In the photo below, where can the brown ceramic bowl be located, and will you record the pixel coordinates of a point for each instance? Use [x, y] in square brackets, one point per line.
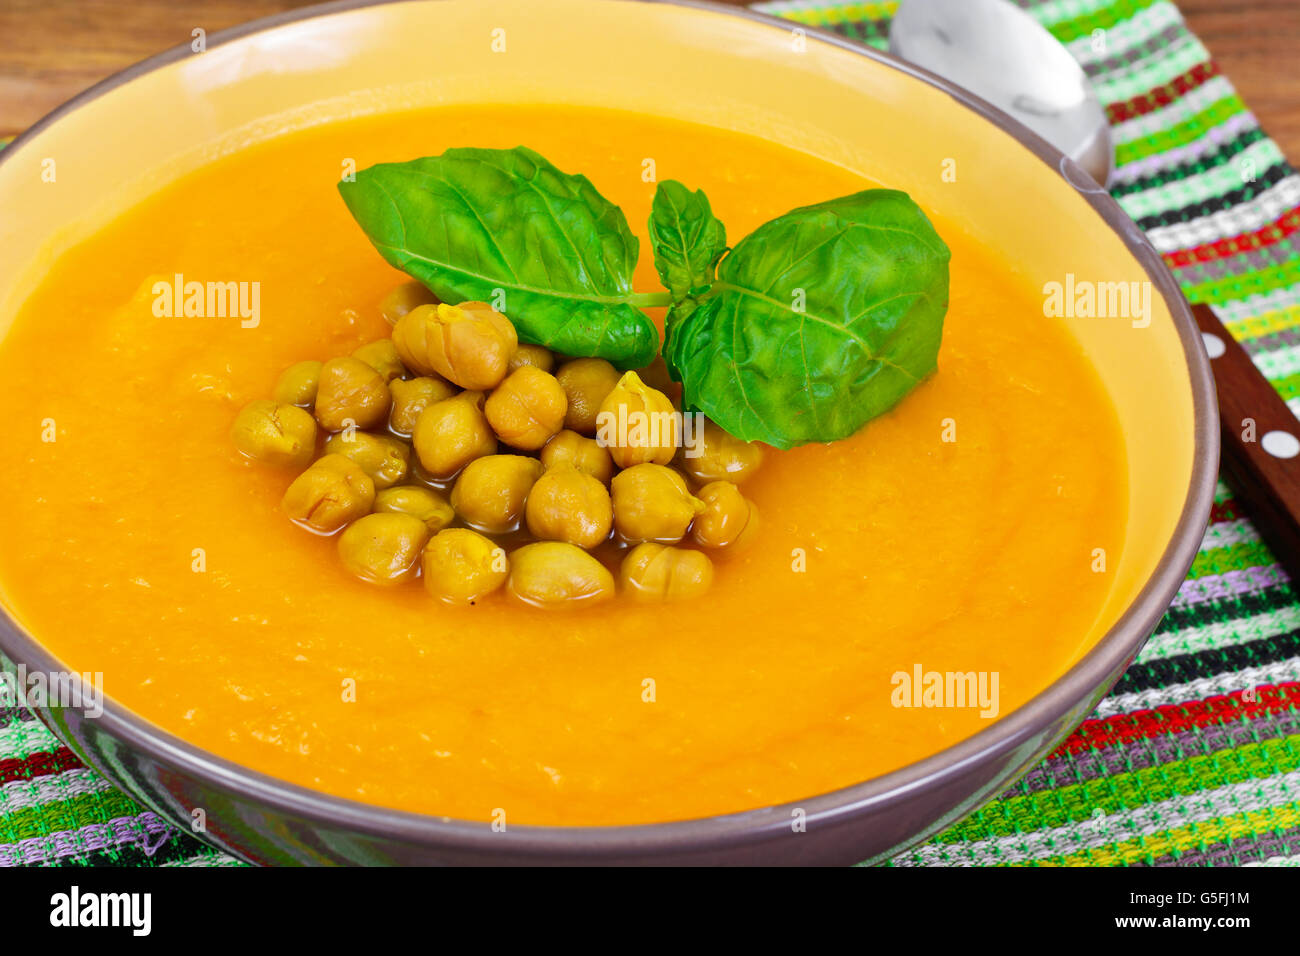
[815, 92]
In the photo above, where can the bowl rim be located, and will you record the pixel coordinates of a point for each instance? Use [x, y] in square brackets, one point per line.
[1083, 680]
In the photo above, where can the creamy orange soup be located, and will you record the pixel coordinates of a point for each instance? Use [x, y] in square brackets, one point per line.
[140, 544]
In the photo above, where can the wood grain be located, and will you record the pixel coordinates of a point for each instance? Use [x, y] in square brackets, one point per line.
[53, 49]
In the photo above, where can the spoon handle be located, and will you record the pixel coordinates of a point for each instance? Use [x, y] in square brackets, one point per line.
[1260, 441]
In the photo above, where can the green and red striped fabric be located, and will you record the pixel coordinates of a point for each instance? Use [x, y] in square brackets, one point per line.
[1194, 758]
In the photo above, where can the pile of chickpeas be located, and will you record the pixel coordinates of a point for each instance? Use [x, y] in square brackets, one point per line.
[455, 454]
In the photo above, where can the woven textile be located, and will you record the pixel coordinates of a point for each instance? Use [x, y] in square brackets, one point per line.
[1194, 758]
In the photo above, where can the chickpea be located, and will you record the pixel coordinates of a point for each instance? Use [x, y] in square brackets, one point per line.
[403, 298]
[539, 356]
[450, 434]
[381, 355]
[637, 424]
[419, 502]
[469, 344]
[552, 574]
[655, 572]
[567, 505]
[728, 520]
[491, 491]
[412, 396]
[719, 457]
[461, 566]
[651, 503]
[297, 384]
[584, 454]
[586, 383]
[278, 434]
[383, 548]
[527, 408]
[386, 460]
[351, 391]
[329, 494]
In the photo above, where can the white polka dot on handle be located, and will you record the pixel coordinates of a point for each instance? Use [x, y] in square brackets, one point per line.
[1280, 444]
[1214, 346]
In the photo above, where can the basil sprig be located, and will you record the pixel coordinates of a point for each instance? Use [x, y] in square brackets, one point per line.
[812, 325]
[817, 322]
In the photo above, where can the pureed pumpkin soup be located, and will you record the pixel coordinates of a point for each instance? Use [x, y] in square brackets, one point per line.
[956, 532]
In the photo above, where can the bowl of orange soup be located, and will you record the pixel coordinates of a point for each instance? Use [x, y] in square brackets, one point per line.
[930, 602]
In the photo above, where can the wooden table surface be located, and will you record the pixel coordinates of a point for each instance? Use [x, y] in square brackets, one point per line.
[52, 49]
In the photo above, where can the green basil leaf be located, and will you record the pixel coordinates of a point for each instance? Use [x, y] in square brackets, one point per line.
[819, 321]
[487, 224]
[687, 239]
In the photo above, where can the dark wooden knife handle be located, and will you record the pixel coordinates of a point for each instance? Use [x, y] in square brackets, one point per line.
[1260, 439]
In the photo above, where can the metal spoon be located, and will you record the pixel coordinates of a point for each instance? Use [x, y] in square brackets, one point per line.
[999, 52]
